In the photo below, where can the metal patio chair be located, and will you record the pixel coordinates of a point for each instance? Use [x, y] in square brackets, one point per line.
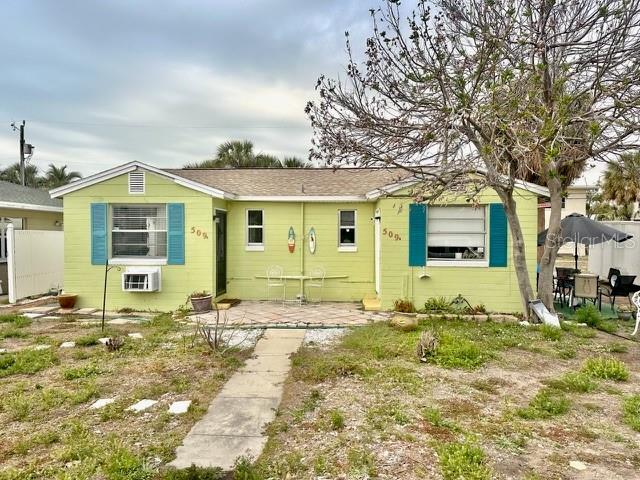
[564, 283]
[316, 281]
[618, 286]
[275, 274]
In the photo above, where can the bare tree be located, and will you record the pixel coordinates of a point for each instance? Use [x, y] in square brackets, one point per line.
[514, 90]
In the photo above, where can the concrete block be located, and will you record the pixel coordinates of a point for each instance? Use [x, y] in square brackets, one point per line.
[142, 405]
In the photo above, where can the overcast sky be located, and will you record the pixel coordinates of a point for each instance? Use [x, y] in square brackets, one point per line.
[103, 82]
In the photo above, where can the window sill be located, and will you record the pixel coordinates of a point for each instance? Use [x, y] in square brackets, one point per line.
[457, 263]
[137, 261]
[348, 248]
[254, 248]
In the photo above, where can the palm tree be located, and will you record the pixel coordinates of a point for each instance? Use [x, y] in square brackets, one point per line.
[621, 184]
[12, 174]
[240, 154]
[58, 176]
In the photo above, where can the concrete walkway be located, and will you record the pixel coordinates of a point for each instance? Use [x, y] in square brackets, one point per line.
[234, 423]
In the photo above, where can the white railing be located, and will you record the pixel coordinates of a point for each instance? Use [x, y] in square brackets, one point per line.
[35, 262]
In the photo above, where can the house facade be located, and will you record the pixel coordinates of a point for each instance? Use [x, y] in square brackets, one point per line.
[219, 230]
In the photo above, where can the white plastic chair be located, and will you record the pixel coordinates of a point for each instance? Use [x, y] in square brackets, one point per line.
[275, 274]
[317, 275]
[636, 301]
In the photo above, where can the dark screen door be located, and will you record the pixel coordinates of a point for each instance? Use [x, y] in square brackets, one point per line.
[221, 252]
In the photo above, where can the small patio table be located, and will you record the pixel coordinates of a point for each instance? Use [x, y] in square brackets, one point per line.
[301, 279]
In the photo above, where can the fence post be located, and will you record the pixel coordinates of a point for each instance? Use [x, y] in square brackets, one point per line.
[11, 263]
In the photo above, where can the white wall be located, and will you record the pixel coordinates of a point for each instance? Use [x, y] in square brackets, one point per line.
[624, 256]
[35, 262]
[575, 202]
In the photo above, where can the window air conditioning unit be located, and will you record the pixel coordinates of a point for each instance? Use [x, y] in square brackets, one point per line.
[141, 280]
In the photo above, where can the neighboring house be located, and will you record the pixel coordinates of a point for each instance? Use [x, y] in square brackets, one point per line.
[179, 231]
[27, 209]
[574, 202]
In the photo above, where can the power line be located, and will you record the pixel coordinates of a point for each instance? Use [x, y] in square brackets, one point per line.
[140, 125]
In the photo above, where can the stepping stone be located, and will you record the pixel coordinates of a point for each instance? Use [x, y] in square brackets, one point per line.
[180, 407]
[33, 316]
[65, 311]
[49, 317]
[86, 311]
[43, 310]
[103, 340]
[42, 347]
[120, 321]
[135, 335]
[142, 405]
[577, 465]
[102, 402]
[67, 344]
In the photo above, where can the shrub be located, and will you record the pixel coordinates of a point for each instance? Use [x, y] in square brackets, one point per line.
[588, 314]
[631, 412]
[546, 404]
[404, 306]
[437, 304]
[463, 460]
[577, 382]
[607, 368]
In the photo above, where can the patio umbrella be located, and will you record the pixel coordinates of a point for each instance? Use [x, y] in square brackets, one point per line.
[580, 229]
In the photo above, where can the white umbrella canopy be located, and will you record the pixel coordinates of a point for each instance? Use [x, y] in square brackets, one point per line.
[580, 229]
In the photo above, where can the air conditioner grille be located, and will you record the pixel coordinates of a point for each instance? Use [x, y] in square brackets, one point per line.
[136, 281]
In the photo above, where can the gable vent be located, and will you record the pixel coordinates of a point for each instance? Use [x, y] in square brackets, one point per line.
[136, 182]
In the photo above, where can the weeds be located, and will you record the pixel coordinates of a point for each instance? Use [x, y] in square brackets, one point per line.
[607, 368]
[631, 412]
[546, 404]
[26, 362]
[576, 382]
[194, 473]
[74, 373]
[551, 333]
[337, 419]
[463, 460]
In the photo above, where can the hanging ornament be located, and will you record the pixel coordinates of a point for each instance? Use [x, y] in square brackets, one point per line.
[312, 240]
[292, 240]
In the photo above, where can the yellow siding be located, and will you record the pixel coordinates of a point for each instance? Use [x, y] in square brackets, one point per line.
[178, 281]
[34, 220]
[496, 288]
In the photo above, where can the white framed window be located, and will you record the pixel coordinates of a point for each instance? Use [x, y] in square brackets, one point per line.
[457, 234]
[138, 231]
[347, 230]
[255, 230]
[18, 224]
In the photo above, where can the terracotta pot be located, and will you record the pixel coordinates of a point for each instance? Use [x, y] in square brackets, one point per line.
[201, 304]
[67, 300]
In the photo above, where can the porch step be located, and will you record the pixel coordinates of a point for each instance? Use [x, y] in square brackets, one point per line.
[371, 304]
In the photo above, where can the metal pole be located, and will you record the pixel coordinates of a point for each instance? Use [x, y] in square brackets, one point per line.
[104, 292]
[22, 169]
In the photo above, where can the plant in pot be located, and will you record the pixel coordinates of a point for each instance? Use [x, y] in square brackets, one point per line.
[625, 312]
[404, 316]
[201, 301]
[67, 300]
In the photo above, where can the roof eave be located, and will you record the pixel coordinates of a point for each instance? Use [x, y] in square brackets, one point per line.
[30, 206]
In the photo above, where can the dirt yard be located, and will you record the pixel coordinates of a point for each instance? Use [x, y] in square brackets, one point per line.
[47, 428]
[493, 401]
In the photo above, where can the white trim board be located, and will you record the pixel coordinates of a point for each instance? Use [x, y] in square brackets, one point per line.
[30, 206]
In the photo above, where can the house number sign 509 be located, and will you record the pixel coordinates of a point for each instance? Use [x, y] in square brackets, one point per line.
[391, 234]
[199, 233]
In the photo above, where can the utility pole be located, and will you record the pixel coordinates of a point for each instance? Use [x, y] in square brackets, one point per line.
[22, 173]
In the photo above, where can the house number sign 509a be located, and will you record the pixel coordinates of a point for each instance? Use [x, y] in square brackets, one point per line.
[199, 233]
[391, 234]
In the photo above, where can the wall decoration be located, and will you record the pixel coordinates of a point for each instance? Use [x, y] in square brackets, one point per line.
[391, 234]
[312, 240]
[292, 240]
[199, 233]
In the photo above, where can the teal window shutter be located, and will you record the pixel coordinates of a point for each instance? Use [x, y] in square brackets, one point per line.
[497, 235]
[98, 233]
[175, 233]
[417, 235]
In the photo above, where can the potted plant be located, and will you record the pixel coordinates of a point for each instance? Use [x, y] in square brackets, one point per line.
[405, 315]
[625, 312]
[201, 301]
[67, 300]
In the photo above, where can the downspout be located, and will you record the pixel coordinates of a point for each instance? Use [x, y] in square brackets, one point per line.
[301, 236]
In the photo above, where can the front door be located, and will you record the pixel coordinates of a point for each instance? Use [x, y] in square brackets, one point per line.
[221, 252]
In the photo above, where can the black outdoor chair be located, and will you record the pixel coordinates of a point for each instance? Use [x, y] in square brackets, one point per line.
[618, 286]
[564, 283]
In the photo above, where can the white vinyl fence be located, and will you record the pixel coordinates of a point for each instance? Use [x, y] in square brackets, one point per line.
[624, 256]
[35, 262]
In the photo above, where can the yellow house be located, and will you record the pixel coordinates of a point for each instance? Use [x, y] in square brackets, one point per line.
[171, 232]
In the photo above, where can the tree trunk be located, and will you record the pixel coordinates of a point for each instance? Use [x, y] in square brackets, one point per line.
[518, 248]
[551, 245]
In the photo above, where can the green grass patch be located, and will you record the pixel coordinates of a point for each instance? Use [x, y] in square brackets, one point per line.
[631, 412]
[463, 460]
[588, 314]
[546, 404]
[551, 333]
[435, 418]
[336, 419]
[26, 362]
[194, 473]
[607, 368]
[361, 462]
[575, 382]
[315, 366]
[16, 319]
[87, 340]
[381, 415]
[457, 352]
[85, 371]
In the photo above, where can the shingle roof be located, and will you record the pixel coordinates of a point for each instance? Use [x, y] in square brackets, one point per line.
[294, 181]
[13, 193]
